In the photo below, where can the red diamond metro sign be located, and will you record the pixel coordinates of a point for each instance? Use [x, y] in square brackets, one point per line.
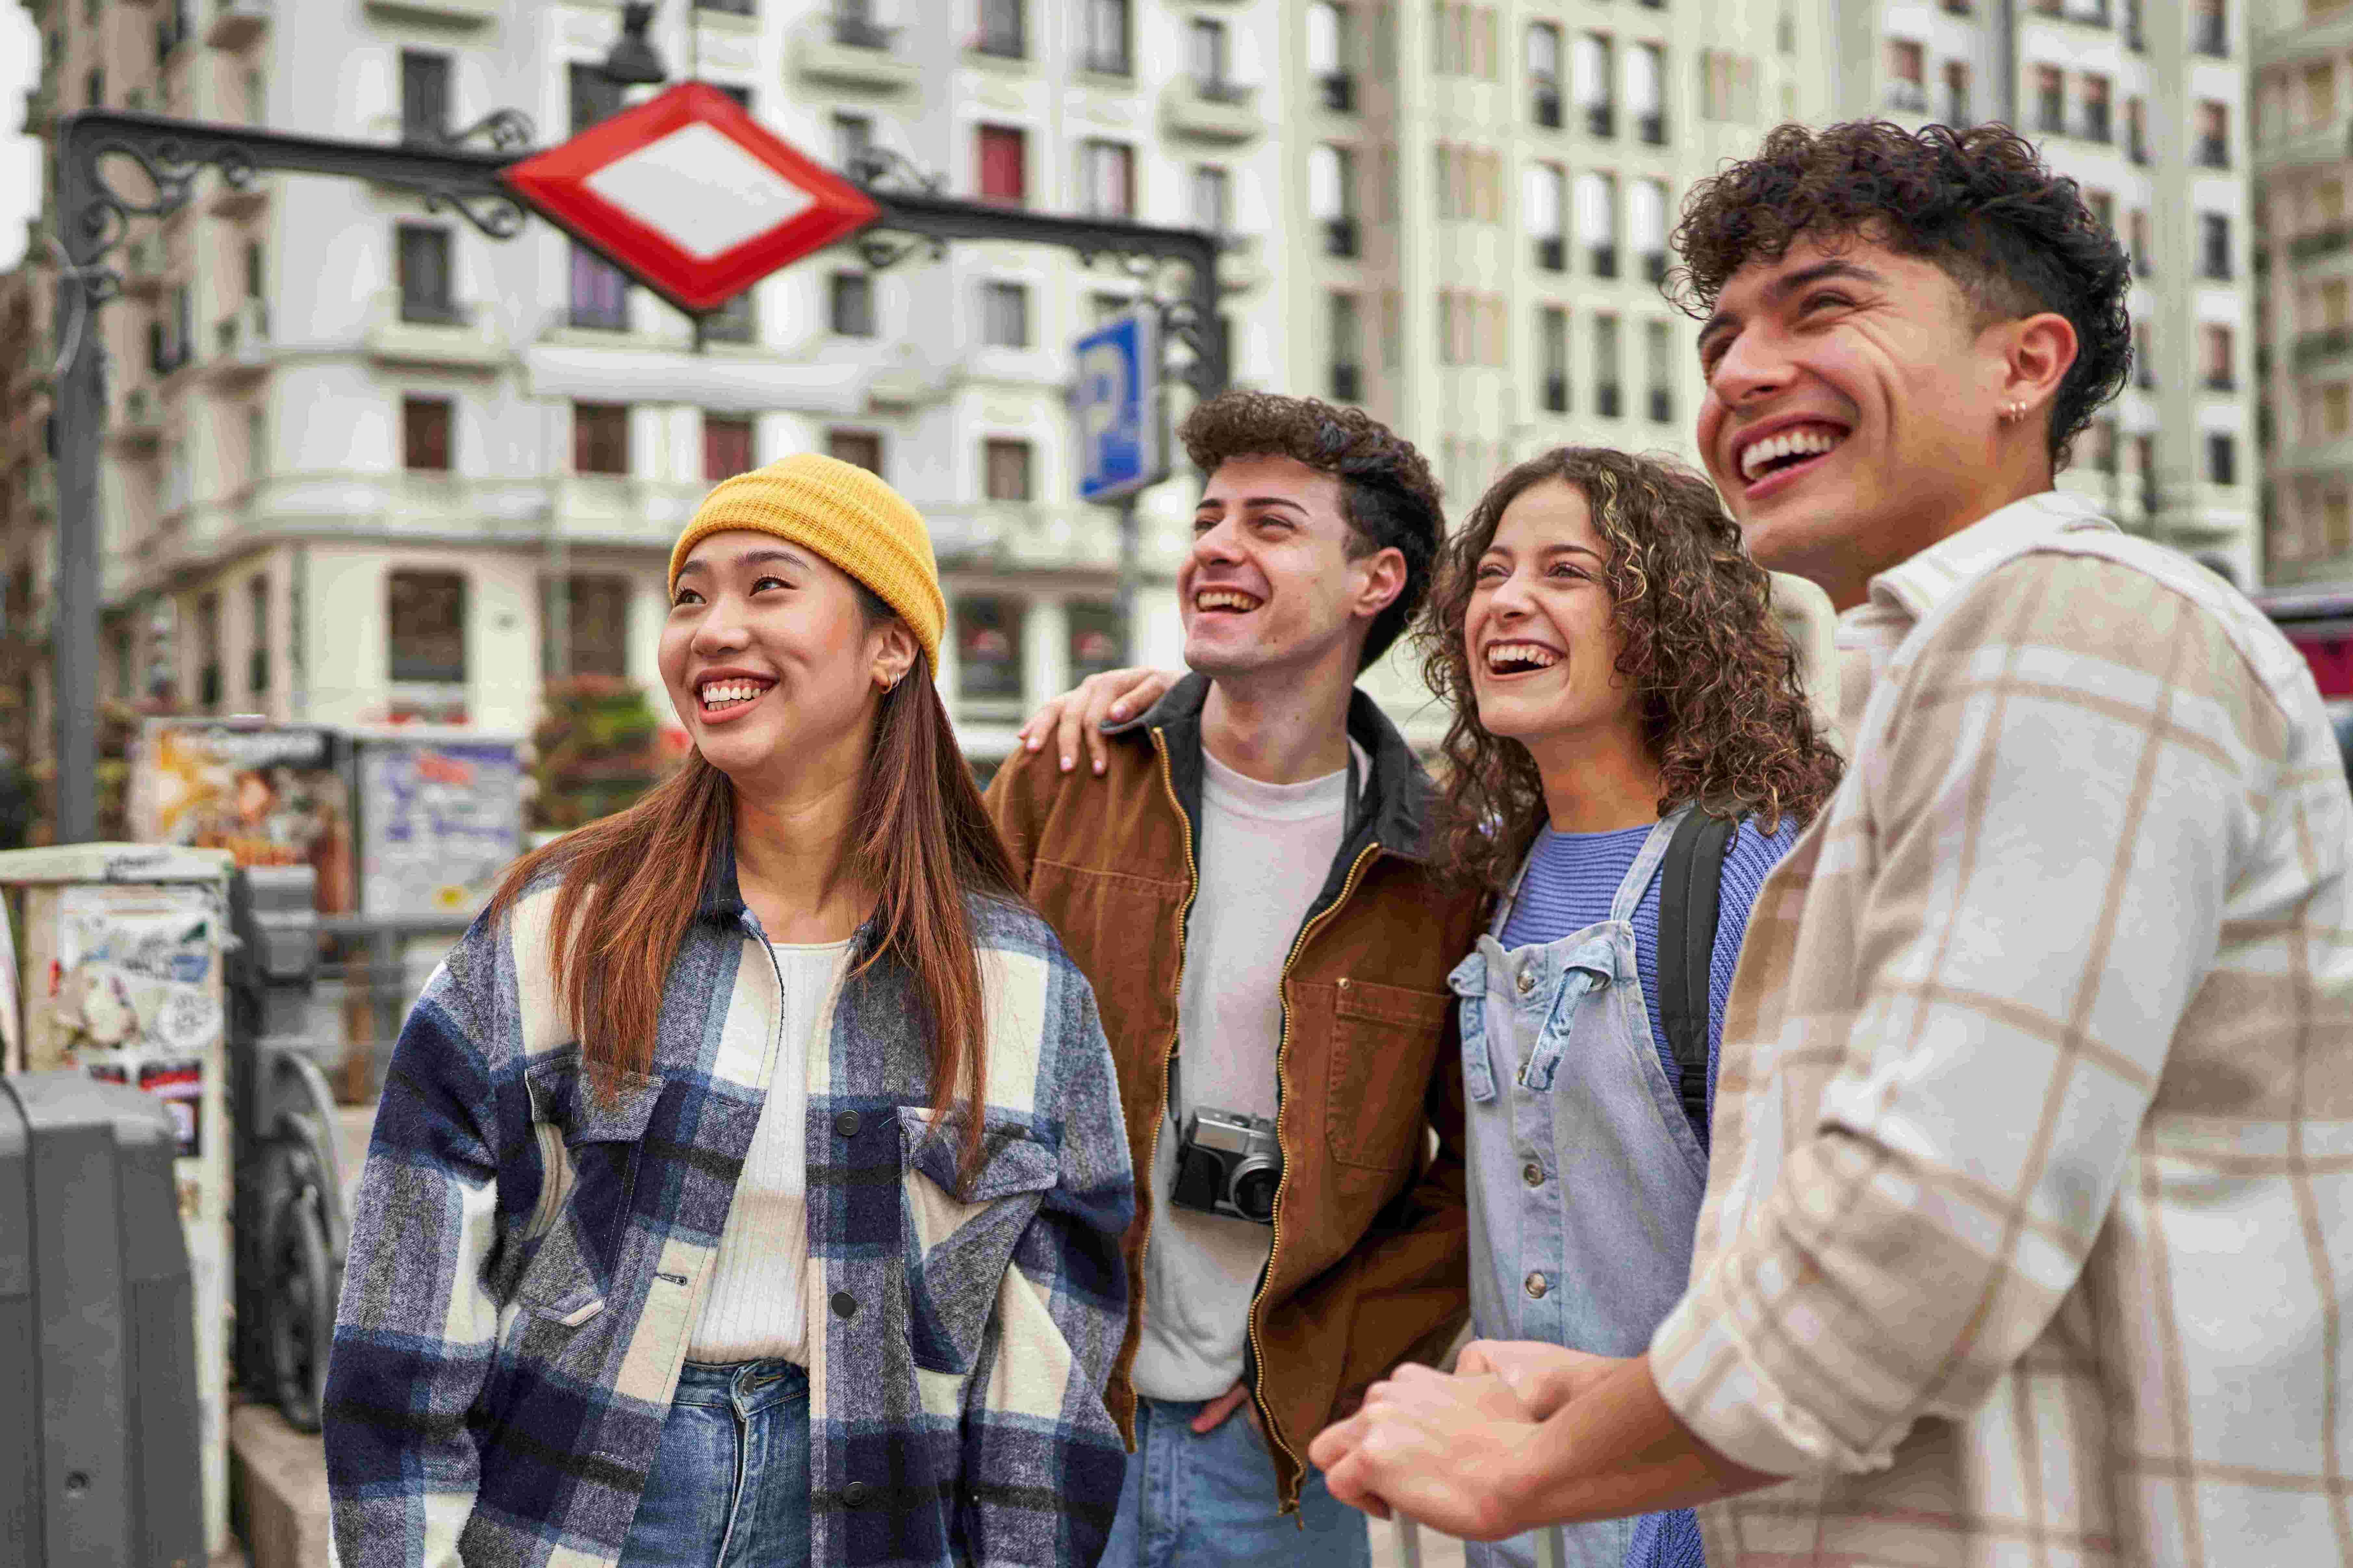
[690, 197]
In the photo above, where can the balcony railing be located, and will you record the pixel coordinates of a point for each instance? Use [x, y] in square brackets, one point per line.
[1551, 253]
[2050, 117]
[2220, 381]
[1544, 107]
[1347, 382]
[1654, 267]
[2135, 145]
[1662, 406]
[1907, 97]
[860, 32]
[1556, 391]
[2214, 152]
[2214, 267]
[1339, 92]
[1605, 400]
[1600, 119]
[1605, 260]
[1650, 130]
[2326, 242]
[2097, 126]
[1339, 237]
[2331, 342]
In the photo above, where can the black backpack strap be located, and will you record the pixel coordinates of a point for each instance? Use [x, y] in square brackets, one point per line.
[1690, 885]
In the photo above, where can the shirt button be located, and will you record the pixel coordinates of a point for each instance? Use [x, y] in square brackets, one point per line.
[856, 1493]
[1526, 982]
[1532, 1173]
[846, 1124]
[1535, 1285]
[844, 1305]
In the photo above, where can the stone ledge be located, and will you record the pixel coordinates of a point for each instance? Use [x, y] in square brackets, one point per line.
[278, 1490]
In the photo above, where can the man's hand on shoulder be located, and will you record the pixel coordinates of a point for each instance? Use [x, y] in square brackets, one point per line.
[1080, 714]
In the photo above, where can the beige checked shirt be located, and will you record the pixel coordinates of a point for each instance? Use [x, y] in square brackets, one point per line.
[2029, 1231]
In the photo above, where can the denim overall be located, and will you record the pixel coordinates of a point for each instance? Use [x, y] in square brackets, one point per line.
[1586, 1178]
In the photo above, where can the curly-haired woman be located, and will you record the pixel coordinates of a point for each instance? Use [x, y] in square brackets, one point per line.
[749, 1183]
[1615, 665]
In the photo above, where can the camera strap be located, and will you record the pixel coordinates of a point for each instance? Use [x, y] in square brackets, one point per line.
[1348, 812]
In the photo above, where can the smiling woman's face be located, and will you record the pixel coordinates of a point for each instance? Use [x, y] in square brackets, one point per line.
[1538, 632]
[770, 659]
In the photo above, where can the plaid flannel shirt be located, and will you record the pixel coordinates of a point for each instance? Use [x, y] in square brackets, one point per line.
[2029, 1232]
[527, 1260]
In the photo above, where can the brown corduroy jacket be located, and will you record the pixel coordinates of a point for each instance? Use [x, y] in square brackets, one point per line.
[1371, 1231]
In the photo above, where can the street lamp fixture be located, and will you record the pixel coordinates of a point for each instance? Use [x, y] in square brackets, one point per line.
[633, 61]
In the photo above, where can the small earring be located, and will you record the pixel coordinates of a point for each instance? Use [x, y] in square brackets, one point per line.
[2011, 413]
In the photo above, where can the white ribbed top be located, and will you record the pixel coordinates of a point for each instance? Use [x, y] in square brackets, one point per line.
[754, 1309]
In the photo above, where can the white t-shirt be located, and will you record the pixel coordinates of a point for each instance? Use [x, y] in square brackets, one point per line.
[754, 1308]
[1264, 852]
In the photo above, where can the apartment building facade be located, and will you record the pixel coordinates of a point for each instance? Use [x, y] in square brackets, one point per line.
[2303, 105]
[2143, 102]
[365, 464]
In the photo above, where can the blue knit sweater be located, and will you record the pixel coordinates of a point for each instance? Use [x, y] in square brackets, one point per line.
[1571, 879]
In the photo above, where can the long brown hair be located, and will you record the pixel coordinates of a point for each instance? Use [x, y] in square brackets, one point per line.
[1717, 677]
[920, 838]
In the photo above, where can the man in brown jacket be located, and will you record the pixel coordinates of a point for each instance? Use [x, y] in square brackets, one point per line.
[1245, 886]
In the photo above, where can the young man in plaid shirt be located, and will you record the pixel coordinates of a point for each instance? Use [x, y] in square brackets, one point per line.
[2028, 1233]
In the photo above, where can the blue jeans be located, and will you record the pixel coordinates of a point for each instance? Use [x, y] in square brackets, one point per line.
[730, 1484]
[1209, 1503]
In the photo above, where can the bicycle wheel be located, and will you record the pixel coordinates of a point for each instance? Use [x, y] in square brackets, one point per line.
[300, 1270]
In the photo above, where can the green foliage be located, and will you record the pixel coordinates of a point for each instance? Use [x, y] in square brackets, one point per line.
[596, 748]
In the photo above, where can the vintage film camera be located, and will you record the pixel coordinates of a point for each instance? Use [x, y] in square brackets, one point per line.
[1227, 1163]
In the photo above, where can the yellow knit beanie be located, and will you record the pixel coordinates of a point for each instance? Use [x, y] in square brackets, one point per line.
[847, 515]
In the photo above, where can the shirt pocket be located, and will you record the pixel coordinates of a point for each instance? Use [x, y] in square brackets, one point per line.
[1384, 1047]
[956, 1249]
[1469, 982]
[589, 1148]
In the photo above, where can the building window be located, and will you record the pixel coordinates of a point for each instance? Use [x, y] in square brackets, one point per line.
[1329, 54]
[425, 434]
[1593, 72]
[851, 304]
[1003, 157]
[1007, 465]
[424, 265]
[1096, 642]
[1907, 68]
[1956, 94]
[594, 96]
[2095, 109]
[726, 448]
[1597, 222]
[2050, 100]
[2215, 345]
[257, 630]
[1106, 178]
[989, 650]
[1646, 74]
[1347, 334]
[585, 627]
[1552, 336]
[208, 652]
[2213, 246]
[1543, 75]
[427, 626]
[1211, 59]
[2103, 208]
[1003, 29]
[1332, 197]
[2221, 458]
[1606, 390]
[1004, 315]
[853, 138]
[1658, 349]
[424, 95]
[1647, 219]
[2136, 242]
[2208, 29]
[2135, 131]
[1209, 199]
[1546, 197]
[600, 437]
[736, 320]
[863, 447]
[2214, 135]
[600, 291]
[1106, 38]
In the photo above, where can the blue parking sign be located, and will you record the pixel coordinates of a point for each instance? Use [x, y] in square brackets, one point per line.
[1117, 407]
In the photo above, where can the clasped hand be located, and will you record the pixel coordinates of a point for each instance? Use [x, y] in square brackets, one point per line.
[1450, 1450]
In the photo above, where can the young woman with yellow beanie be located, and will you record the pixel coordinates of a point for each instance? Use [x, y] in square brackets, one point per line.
[749, 1182]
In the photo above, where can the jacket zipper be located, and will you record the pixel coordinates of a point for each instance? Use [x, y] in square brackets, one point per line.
[1282, 1049]
[1184, 920]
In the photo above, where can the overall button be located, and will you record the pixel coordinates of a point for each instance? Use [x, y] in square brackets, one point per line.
[846, 1124]
[856, 1493]
[1535, 1285]
[844, 1305]
[1532, 1173]
[1526, 982]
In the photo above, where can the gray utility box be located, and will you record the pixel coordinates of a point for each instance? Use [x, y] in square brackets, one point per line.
[98, 1447]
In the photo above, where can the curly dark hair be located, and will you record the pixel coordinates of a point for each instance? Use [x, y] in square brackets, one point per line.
[1977, 202]
[1717, 677]
[1387, 491]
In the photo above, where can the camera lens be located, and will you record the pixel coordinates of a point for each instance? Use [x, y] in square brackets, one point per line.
[1254, 1187]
